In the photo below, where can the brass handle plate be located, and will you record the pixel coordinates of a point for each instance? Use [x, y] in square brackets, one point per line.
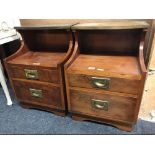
[100, 104]
[101, 82]
[36, 93]
[31, 74]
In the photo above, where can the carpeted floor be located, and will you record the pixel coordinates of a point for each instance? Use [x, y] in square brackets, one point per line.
[16, 120]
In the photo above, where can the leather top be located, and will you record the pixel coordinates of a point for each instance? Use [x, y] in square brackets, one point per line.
[111, 25]
[45, 27]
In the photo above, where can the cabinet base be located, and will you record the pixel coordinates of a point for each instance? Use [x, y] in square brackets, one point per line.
[41, 107]
[120, 125]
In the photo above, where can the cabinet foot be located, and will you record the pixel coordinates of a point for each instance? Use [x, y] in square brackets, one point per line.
[58, 113]
[122, 126]
[25, 106]
[41, 107]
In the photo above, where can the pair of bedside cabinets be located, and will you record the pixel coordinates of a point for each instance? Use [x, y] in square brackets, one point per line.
[94, 71]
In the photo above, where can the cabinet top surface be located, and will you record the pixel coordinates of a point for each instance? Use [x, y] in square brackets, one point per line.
[43, 59]
[111, 25]
[45, 27]
[115, 66]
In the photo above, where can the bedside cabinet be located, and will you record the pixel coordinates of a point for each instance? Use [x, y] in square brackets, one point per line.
[36, 70]
[106, 73]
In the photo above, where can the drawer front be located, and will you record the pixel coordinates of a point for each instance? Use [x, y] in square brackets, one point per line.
[102, 105]
[105, 83]
[45, 94]
[34, 73]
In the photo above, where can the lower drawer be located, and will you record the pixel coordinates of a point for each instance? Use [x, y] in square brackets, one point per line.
[44, 93]
[102, 105]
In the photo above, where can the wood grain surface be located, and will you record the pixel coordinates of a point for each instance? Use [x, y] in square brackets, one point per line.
[51, 94]
[39, 59]
[114, 66]
[121, 108]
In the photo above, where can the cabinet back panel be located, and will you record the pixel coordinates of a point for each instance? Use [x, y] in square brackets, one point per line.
[114, 42]
[46, 40]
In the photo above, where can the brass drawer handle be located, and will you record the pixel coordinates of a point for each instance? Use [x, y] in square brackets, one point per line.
[99, 104]
[101, 82]
[36, 93]
[31, 74]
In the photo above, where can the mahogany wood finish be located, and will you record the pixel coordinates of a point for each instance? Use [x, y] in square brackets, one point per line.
[50, 92]
[36, 69]
[44, 75]
[120, 79]
[148, 38]
[112, 54]
[81, 99]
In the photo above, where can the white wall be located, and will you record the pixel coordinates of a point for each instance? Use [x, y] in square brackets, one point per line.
[10, 22]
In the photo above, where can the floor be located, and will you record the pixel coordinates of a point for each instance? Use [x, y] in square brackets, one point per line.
[17, 120]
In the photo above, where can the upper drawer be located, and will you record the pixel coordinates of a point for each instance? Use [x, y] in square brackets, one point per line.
[104, 83]
[113, 73]
[34, 73]
[102, 105]
[39, 92]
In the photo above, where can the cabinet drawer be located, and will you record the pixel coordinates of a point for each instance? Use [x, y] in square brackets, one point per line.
[44, 93]
[102, 105]
[34, 73]
[104, 83]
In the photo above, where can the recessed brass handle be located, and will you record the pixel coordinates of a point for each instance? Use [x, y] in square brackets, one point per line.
[101, 82]
[31, 74]
[36, 93]
[100, 104]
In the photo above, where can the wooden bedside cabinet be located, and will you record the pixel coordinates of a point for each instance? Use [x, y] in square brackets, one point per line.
[106, 73]
[36, 70]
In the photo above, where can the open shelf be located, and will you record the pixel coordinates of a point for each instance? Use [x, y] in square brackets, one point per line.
[41, 58]
[106, 42]
[118, 66]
